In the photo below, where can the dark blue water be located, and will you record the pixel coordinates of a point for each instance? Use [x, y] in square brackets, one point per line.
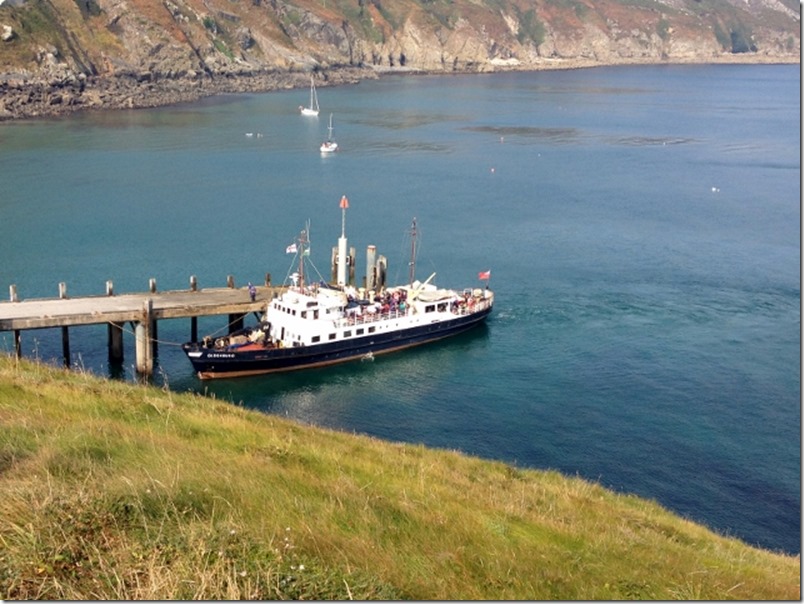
[642, 226]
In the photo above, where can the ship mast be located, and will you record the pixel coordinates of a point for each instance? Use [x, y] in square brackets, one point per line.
[412, 264]
[342, 257]
[302, 244]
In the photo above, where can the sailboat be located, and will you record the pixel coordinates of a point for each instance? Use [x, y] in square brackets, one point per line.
[313, 108]
[329, 145]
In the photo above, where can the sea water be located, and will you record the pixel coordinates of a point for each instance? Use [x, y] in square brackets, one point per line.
[641, 226]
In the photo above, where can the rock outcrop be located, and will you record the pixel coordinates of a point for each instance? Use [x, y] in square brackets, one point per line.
[58, 56]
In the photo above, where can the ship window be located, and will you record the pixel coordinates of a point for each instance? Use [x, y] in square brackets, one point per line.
[360, 331]
[316, 339]
[332, 336]
[372, 329]
[304, 314]
[442, 307]
[430, 308]
[315, 314]
[347, 334]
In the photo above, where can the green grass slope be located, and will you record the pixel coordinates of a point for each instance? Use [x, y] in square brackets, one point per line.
[115, 491]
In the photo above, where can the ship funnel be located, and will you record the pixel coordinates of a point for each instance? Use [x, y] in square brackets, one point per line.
[371, 268]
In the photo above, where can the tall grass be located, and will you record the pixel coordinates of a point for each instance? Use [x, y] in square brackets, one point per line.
[115, 491]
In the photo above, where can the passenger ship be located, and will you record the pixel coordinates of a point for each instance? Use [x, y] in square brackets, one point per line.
[318, 324]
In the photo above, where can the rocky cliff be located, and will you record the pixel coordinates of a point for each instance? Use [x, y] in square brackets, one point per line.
[58, 56]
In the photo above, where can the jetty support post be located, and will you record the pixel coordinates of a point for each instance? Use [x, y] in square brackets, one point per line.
[65, 333]
[145, 361]
[154, 340]
[152, 325]
[65, 345]
[115, 343]
[12, 295]
[115, 334]
[236, 322]
[193, 320]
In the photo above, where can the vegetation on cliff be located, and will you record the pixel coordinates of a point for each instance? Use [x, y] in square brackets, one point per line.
[62, 55]
[117, 491]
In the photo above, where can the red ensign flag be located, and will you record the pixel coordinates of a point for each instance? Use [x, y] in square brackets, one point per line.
[486, 275]
[344, 203]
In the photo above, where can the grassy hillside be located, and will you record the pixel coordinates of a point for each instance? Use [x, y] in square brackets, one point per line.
[114, 491]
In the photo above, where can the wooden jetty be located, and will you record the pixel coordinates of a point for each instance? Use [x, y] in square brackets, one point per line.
[142, 310]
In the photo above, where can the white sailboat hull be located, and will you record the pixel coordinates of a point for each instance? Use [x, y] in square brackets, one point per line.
[329, 145]
[312, 110]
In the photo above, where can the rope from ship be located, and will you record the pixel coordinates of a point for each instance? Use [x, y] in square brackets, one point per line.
[293, 266]
[131, 332]
[166, 342]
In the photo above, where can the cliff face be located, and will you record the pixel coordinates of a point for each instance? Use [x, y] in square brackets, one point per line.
[61, 55]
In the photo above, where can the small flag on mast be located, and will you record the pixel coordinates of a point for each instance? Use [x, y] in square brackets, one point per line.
[484, 276]
[344, 203]
[291, 249]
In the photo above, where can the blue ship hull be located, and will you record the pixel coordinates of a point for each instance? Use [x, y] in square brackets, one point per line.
[213, 363]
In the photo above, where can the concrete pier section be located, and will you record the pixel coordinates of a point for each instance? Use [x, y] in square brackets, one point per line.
[142, 310]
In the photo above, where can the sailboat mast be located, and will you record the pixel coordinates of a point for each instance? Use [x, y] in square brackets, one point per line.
[412, 264]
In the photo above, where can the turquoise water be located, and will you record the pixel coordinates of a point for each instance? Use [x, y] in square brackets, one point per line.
[642, 226]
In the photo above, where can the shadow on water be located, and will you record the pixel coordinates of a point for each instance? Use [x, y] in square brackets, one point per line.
[367, 377]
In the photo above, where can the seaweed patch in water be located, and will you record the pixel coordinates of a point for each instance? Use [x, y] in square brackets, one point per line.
[555, 135]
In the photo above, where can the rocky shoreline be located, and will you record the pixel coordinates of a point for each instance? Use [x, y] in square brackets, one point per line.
[23, 96]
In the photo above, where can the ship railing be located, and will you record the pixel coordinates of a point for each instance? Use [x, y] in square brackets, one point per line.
[472, 306]
[371, 317]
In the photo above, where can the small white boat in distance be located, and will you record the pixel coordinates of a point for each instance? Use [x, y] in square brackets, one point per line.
[312, 110]
[329, 145]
